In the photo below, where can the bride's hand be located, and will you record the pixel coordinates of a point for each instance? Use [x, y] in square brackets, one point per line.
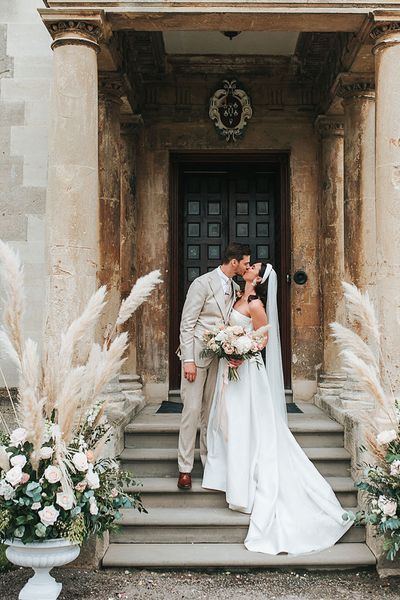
[235, 363]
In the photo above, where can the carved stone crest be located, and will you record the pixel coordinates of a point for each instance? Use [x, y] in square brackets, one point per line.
[230, 109]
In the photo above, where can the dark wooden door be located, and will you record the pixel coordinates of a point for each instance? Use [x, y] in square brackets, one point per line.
[216, 204]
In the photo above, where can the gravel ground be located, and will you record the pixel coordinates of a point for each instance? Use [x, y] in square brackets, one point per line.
[256, 585]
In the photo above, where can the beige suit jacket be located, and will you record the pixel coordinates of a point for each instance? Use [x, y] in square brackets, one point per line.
[204, 308]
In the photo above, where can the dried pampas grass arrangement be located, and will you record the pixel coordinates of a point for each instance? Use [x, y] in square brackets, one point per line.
[361, 355]
[60, 389]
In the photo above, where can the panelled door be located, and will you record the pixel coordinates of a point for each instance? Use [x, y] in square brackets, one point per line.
[215, 204]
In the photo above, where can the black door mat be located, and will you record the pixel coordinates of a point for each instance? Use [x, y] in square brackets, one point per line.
[176, 407]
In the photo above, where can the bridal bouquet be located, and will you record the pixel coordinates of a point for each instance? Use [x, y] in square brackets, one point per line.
[361, 354]
[54, 480]
[233, 342]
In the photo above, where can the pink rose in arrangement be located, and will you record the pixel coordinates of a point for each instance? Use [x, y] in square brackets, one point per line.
[81, 486]
[48, 515]
[25, 478]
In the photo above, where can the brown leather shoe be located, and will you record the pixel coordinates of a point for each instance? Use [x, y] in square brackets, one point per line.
[185, 481]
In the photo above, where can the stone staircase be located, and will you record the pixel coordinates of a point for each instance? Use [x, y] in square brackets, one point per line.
[195, 529]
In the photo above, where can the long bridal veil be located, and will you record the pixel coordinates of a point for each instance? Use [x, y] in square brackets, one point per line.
[273, 352]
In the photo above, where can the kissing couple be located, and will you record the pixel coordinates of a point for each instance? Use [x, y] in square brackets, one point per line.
[253, 458]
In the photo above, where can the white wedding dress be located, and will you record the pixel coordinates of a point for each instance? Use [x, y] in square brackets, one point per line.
[255, 459]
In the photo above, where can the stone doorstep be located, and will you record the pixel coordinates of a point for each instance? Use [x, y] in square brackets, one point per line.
[183, 556]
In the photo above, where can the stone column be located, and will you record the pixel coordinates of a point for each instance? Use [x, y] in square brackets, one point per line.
[387, 83]
[111, 89]
[331, 241]
[359, 183]
[72, 214]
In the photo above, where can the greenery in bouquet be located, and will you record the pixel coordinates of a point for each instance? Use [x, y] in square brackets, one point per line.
[232, 342]
[55, 481]
[360, 350]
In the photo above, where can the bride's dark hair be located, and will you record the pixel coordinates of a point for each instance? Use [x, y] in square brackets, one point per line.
[261, 289]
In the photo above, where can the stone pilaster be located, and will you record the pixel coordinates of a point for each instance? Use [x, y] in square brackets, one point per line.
[359, 182]
[386, 34]
[111, 90]
[72, 214]
[331, 243]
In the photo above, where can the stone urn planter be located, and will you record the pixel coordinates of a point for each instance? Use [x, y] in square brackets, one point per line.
[42, 557]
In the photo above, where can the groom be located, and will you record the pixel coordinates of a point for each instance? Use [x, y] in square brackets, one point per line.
[209, 301]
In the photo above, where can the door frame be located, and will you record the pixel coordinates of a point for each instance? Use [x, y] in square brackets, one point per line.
[178, 160]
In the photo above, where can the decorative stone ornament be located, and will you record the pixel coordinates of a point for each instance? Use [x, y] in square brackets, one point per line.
[230, 109]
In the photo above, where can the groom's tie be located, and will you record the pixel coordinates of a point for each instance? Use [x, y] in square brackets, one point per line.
[228, 293]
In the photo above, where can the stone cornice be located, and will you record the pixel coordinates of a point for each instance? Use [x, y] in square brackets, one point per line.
[330, 125]
[355, 88]
[88, 27]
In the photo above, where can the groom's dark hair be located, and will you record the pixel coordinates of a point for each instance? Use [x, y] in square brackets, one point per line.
[235, 250]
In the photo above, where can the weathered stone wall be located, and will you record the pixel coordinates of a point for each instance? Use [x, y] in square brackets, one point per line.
[187, 131]
[25, 74]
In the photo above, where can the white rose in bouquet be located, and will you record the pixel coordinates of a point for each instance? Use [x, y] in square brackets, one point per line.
[92, 479]
[80, 461]
[66, 501]
[243, 344]
[395, 467]
[52, 474]
[18, 436]
[48, 515]
[46, 452]
[6, 490]
[385, 437]
[228, 348]
[221, 336]
[236, 330]
[14, 476]
[387, 506]
[4, 459]
[18, 461]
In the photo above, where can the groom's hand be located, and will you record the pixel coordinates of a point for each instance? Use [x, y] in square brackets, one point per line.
[189, 371]
[235, 363]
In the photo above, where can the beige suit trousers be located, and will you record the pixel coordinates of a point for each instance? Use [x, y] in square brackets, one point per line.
[196, 397]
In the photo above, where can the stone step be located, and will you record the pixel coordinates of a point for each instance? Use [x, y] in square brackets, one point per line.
[163, 492]
[162, 462]
[194, 526]
[309, 432]
[184, 556]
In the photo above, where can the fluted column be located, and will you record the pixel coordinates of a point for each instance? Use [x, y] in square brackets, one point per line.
[111, 89]
[387, 82]
[72, 214]
[331, 236]
[359, 182]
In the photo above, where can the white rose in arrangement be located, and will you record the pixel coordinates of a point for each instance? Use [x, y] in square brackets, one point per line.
[14, 476]
[36, 506]
[46, 452]
[66, 501]
[48, 515]
[80, 461]
[395, 467]
[387, 506]
[237, 330]
[4, 459]
[92, 479]
[52, 474]
[6, 490]
[243, 344]
[18, 461]
[93, 508]
[18, 436]
[385, 437]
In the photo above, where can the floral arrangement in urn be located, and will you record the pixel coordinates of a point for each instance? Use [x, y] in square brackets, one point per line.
[54, 481]
[362, 359]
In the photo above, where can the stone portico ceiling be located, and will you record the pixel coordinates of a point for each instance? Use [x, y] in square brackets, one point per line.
[262, 43]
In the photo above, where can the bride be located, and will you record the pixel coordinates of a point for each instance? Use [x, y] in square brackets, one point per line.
[253, 456]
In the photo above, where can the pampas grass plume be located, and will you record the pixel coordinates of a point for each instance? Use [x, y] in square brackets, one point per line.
[139, 293]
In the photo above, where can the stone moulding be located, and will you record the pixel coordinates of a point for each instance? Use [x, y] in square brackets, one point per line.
[330, 125]
[363, 89]
[76, 27]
